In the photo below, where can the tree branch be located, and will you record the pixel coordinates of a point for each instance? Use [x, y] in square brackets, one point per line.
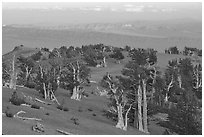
[25, 118]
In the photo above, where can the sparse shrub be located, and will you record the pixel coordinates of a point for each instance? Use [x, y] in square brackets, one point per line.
[94, 114]
[65, 109]
[60, 107]
[16, 100]
[90, 109]
[76, 123]
[75, 120]
[47, 114]
[9, 114]
[35, 106]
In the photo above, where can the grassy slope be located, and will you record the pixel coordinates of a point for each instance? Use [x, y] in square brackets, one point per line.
[89, 124]
[20, 51]
[115, 69]
[58, 119]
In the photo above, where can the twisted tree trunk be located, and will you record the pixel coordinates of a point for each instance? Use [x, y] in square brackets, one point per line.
[126, 118]
[12, 84]
[144, 107]
[75, 94]
[180, 81]
[136, 112]
[140, 108]
[104, 62]
[76, 91]
[198, 80]
[104, 58]
[168, 89]
[120, 123]
[13, 75]
[45, 91]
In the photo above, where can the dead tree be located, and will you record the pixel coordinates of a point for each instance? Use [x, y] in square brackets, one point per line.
[197, 73]
[139, 103]
[170, 85]
[76, 77]
[46, 80]
[144, 83]
[122, 104]
[13, 75]
[75, 74]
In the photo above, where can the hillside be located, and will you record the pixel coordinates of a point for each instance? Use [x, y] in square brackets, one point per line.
[90, 111]
[91, 122]
[20, 51]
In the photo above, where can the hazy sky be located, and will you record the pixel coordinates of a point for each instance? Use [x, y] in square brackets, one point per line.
[34, 13]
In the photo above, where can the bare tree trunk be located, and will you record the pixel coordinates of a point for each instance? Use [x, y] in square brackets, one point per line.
[140, 108]
[168, 88]
[12, 84]
[54, 97]
[136, 112]
[166, 98]
[153, 82]
[75, 93]
[13, 75]
[49, 90]
[126, 118]
[144, 107]
[58, 76]
[198, 81]
[44, 86]
[58, 81]
[45, 92]
[136, 119]
[180, 82]
[75, 89]
[120, 123]
[104, 58]
[104, 62]
[27, 74]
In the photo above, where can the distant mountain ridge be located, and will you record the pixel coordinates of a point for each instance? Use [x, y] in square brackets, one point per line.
[146, 34]
[164, 28]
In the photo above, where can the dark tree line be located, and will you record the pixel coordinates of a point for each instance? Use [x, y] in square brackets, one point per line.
[188, 51]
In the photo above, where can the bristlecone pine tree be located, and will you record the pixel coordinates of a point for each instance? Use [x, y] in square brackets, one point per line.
[46, 80]
[26, 66]
[120, 103]
[12, 84]
[75, 74]
[138, 70]
[186, 117]
[10, 72]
